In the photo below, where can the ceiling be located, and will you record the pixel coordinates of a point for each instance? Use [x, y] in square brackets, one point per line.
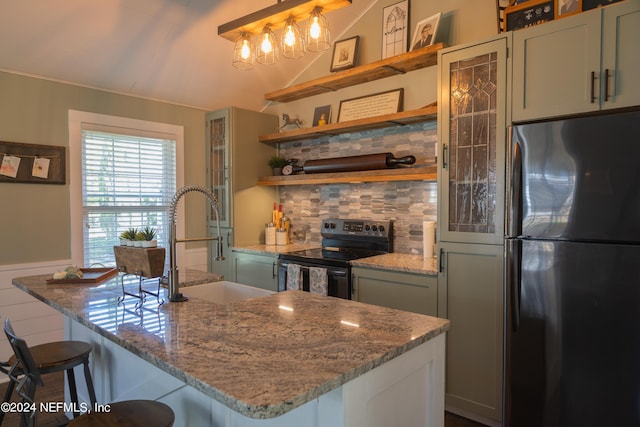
[165, 50]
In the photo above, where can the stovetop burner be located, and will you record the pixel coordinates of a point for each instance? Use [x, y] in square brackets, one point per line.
[334, 254]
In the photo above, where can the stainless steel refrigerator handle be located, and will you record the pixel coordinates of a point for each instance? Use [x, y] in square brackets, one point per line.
[513, 279]
[514, 190]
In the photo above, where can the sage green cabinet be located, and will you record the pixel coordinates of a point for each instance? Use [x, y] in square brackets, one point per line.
[473, 101]
[471, 288]
[582, 63]
[256, 270]
[235, 159]
[417, 293]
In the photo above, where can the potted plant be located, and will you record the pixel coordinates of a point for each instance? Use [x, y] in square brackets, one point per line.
[277, 163]
[138, 239]
[149, 234]
[128, 237]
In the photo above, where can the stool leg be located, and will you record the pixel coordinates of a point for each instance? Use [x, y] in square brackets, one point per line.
[89, 380]
[7, 397]
[71, 379]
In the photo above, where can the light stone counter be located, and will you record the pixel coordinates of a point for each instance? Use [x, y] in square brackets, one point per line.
[260, 357]
[400, 262]
[274, 249]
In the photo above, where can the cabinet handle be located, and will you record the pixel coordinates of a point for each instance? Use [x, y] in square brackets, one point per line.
[274, 270]
[606, 84]
[228, 239]
[593, 87]
[441, 261]
[445, 158]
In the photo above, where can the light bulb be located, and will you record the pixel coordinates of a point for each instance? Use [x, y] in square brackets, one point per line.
[289, 36]
[245, 52]
[266, 44]
[314, 30]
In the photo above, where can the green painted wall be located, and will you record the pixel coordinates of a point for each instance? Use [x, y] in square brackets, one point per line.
[34, 218]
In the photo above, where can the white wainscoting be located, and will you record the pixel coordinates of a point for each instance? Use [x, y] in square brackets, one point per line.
[33, 320]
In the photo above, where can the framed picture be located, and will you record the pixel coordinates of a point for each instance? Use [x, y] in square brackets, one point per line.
[568, 7]
[395, 29]
[322, 115]
[425, 32]
[378, 104]
[345, 53]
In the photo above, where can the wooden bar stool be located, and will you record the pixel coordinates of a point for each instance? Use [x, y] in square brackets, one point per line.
[27, 364]
[129, 413]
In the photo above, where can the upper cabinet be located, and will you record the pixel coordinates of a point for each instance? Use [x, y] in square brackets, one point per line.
[578, 64]
[472, 109]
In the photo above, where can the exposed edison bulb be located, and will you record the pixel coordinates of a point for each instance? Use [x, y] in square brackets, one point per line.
[245, 51]
[314, 29]
[266, 45]
[289, 36]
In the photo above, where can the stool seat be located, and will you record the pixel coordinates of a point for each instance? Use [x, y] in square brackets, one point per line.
[57, 356]
[129, 413]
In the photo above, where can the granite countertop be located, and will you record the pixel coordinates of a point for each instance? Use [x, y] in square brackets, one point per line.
[406, 263]
[274, 249]
[261, 357]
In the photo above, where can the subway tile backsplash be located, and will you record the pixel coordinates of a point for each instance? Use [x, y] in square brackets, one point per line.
[406, 203]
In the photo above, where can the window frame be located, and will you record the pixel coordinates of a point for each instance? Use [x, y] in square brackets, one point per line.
[80, 119]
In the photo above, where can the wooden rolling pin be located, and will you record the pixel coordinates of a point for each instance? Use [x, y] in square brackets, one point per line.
[357, 163]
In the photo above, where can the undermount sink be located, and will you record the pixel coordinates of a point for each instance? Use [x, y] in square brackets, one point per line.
[224, 292]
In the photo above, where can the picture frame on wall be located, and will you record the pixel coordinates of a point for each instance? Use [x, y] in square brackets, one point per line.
[425, 32]
[345, 54]
[395, 29]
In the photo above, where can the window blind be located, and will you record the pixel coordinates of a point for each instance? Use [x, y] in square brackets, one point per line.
[127, 182]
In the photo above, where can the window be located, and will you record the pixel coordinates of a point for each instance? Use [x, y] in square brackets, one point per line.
[127, 182]
[123, 174]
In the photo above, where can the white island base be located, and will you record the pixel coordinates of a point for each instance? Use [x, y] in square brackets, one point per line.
[406, 391]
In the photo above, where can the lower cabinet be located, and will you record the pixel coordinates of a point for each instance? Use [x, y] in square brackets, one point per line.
[417, 293]
[256, 270]
[471, 297]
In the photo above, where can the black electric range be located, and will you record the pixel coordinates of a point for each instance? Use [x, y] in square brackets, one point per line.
[343, 240]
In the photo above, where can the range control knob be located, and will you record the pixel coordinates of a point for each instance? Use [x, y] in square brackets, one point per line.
[367, 227]
[326, 225]
[374, 228]
[381, 228]
[333, 225]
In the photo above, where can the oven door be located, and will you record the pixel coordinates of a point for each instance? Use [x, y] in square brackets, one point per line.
[338, 278]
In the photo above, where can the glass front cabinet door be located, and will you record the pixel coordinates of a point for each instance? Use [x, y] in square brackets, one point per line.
[472, 134]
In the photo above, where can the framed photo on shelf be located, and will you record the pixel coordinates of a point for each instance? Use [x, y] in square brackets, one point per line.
[425, 32]
[345, 54]
[364, 107]
[395, 29]
[322, 115]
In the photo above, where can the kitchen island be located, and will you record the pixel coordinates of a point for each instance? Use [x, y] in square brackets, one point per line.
[285, 359]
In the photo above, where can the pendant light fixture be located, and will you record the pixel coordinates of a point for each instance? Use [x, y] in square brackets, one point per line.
[283, 15]
[317, 33]
[243, 53]
[292, 40]
[268, 51]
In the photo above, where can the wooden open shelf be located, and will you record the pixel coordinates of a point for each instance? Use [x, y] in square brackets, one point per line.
[428, 173]
[399, 64]
[397, 119]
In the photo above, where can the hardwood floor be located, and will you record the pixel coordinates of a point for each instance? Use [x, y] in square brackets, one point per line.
[53, 391]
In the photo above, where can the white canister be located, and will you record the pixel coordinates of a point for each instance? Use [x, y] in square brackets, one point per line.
[281, 236]
[428, 238]
[270, 234]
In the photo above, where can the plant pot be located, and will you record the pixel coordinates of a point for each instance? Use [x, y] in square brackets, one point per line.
[130, 243]
[123, 242]
[149, 243]
[137, 243]
[276, 171]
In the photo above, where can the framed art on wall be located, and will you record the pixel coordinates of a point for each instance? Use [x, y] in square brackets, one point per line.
[395, 29]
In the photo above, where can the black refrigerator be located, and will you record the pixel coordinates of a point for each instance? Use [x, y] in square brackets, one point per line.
[572, 294]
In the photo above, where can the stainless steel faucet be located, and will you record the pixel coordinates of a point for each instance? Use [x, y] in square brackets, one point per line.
[174, 286]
